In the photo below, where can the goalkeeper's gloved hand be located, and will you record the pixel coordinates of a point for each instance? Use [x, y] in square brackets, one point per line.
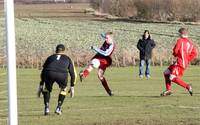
[71, 91]
[40, 90]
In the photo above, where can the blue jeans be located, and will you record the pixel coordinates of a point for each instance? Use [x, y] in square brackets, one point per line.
[141, 67]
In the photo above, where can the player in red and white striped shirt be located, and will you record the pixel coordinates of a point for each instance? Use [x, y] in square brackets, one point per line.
[103, 57]
[184, 52]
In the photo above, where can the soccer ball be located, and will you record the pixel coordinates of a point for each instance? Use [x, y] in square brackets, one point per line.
[95, 63]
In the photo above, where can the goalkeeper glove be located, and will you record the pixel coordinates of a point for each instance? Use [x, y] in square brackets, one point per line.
[40, 90]
[71, 91]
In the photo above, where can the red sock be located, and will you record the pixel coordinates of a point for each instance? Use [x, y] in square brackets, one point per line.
[105, 85]
[167, 82]
[180, 82]
[86, 73]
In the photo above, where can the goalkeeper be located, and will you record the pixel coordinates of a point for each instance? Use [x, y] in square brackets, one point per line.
[56, 69]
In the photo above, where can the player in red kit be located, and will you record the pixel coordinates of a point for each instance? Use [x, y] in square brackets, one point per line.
[184, 52]
[101, 60]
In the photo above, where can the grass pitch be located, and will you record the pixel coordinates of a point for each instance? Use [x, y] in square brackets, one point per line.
[136, 101]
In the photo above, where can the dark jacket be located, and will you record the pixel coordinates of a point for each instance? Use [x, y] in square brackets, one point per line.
[145, 47]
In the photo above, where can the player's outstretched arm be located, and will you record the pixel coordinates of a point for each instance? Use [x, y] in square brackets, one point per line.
[107, 52]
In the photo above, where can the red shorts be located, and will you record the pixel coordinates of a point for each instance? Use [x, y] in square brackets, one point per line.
[103, 63]
[176, 70]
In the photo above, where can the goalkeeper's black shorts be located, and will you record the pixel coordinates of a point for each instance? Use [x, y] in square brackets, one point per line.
[50, 77]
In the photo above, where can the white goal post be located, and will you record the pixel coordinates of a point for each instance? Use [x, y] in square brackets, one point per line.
[11, 62]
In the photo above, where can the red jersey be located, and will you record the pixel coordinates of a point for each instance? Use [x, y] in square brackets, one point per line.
[184, 51]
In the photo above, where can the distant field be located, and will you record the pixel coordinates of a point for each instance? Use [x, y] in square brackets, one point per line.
[136, 101]
[59, 10]
[37, 37]
[39, 27]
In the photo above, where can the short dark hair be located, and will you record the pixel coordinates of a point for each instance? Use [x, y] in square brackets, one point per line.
[146, 31]
[60, 48]
[183, 30]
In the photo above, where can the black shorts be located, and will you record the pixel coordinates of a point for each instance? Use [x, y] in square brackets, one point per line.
[50, 77]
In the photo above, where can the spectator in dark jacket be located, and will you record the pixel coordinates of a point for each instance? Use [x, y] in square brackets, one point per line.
[145, 46]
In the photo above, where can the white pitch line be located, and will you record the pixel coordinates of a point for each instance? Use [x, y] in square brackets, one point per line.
[188, 107]
[90, 109]
[84, 109]
[160, 106]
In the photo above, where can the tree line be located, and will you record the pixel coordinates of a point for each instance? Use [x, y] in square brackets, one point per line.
[161, 10]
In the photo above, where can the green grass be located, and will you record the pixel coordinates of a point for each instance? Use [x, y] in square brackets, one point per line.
[136, 101]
